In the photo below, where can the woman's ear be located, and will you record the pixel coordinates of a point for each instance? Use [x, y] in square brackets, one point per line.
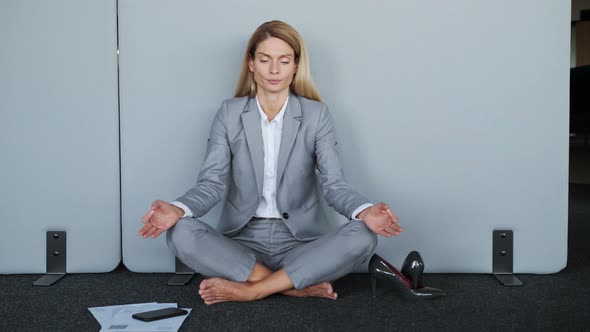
[251, 64]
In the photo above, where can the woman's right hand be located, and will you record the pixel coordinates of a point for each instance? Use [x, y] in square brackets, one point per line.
[160, 218]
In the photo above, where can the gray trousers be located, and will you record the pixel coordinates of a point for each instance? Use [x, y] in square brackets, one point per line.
[270, 242]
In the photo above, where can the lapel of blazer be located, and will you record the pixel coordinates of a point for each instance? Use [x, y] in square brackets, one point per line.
[291, 123]
[251, 122]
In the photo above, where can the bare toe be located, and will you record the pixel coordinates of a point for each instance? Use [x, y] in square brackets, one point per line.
[327, 287]
[203, 284]
[214, 300]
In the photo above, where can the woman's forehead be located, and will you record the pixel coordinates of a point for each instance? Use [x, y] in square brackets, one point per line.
[274, 47]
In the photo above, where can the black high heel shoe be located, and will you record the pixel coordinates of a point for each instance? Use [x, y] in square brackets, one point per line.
[413, 268]
[380, 268]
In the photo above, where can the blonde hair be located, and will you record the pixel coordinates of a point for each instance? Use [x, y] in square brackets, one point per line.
[302, 84]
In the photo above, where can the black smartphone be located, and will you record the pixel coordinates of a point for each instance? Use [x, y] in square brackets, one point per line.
[149, 316]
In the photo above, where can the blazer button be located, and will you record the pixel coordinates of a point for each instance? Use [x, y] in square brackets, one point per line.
[285, 215]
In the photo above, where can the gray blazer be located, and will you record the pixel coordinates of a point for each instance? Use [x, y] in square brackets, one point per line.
[308, 154]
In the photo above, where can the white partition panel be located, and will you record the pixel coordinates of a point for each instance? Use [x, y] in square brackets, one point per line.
[59, 134]
[454, 112]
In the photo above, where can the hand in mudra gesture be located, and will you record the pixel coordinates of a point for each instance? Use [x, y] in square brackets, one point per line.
[381, 220]
[160, 218]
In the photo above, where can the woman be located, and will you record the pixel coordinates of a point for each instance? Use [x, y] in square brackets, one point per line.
[268, 147]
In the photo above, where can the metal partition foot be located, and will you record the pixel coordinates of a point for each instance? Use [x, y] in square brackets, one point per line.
[56, 259]
[503, 258]
[183, 275]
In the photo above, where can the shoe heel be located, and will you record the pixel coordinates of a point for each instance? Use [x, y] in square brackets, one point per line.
[373, 284]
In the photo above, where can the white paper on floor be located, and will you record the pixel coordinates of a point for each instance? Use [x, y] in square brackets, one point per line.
[118, 317]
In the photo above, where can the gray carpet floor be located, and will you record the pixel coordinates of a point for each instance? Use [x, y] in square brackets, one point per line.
[556, 302]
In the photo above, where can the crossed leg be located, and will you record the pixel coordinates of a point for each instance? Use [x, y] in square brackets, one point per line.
[326, 258]
[261, 283]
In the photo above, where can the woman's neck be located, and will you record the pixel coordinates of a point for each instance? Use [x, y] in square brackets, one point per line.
[272, 103]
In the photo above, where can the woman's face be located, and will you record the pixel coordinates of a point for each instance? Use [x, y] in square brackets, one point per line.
[273, 65]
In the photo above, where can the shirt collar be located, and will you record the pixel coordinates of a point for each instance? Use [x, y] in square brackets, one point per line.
[278, 119]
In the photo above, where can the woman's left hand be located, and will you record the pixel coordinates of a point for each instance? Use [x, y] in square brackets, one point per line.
[381, 220]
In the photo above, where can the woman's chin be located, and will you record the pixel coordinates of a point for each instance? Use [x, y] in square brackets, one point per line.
[275, 89]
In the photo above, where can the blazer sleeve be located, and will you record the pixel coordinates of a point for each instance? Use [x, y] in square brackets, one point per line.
[339, 194]
[211, 182]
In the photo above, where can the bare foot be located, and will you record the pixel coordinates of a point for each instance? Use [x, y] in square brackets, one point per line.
[217, 290]
[323, 289]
